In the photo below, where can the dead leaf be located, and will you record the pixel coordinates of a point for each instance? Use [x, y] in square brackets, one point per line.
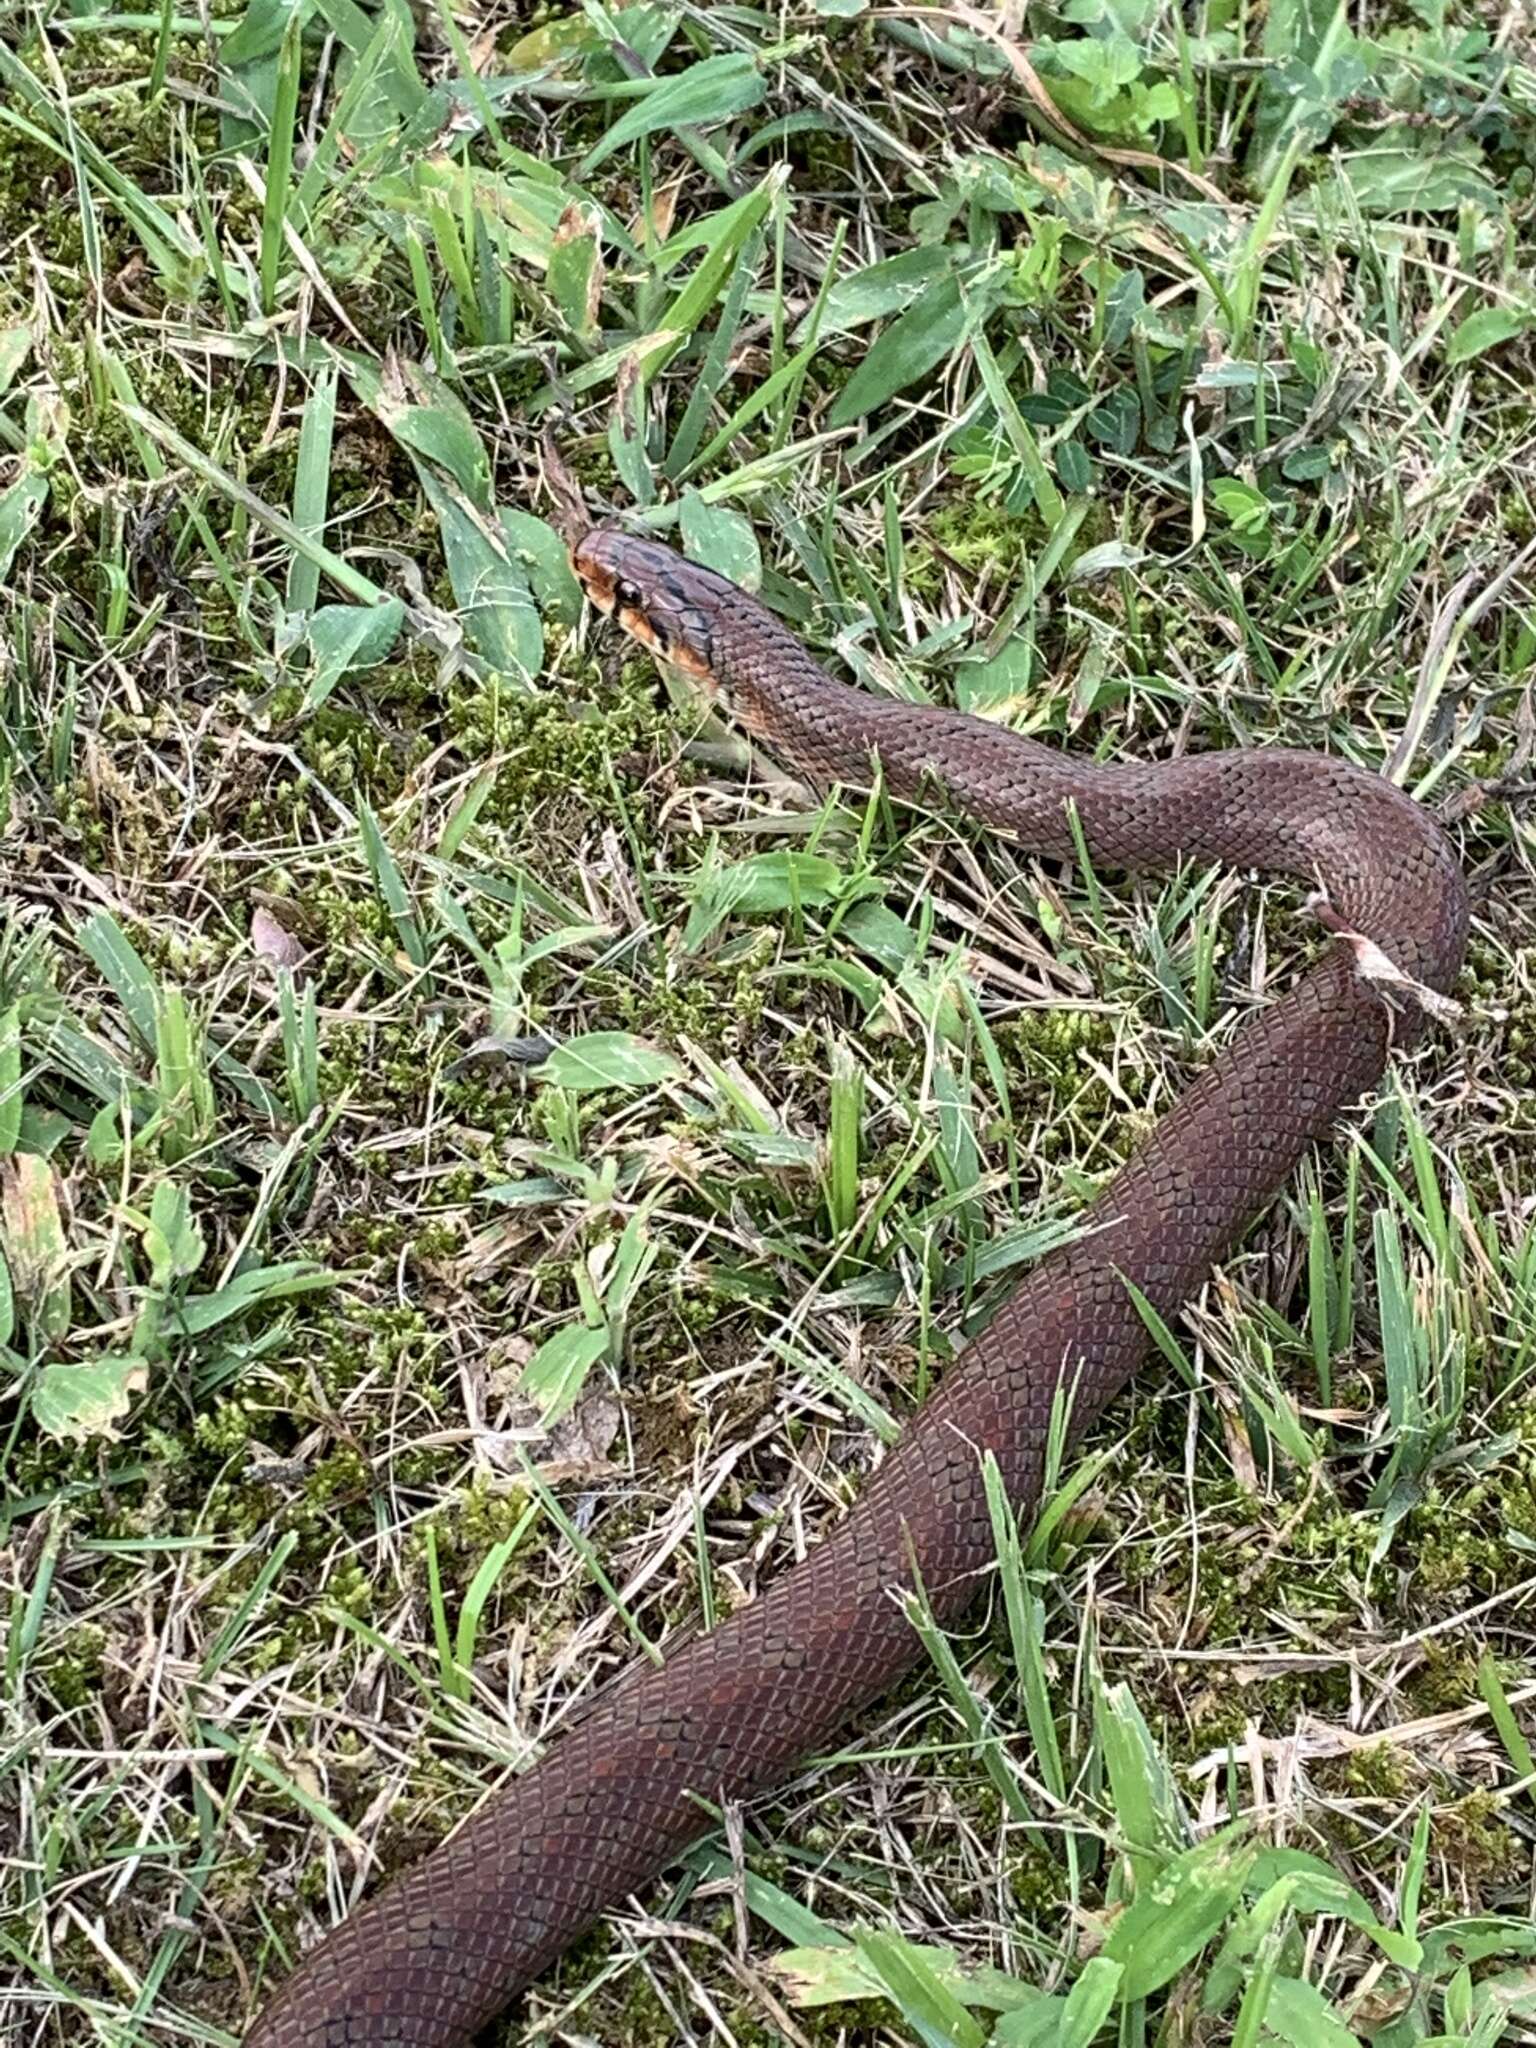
[36, 1248]
[272, 942]
[663, 211]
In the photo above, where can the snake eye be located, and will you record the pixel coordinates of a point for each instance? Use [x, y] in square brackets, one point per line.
[627, 594]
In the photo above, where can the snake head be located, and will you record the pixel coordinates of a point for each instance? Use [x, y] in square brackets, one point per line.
[660, 599]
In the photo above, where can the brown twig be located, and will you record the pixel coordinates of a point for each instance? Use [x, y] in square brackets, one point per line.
[571, 517]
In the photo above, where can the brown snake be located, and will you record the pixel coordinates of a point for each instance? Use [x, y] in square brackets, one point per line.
[442, 1948]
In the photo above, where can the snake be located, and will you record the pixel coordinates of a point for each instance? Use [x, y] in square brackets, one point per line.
[443, 1947]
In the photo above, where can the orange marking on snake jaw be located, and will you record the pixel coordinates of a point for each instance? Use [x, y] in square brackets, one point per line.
[640, 628]
[685, 659]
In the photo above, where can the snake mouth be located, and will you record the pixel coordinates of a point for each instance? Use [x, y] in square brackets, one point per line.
[676, 653]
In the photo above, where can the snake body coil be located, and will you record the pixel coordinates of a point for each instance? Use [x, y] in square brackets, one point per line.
[442, 1949]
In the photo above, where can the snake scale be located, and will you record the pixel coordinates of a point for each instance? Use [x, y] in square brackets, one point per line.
[441, 1949]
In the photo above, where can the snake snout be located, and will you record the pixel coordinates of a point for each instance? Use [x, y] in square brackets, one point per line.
[595, 566]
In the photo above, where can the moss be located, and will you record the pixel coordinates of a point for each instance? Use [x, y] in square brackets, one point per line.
[1034, 1880]
[976, 536]
[716, 1006]
[1378, 1772]
[104, 77]
[72, 1669]
[223, 1429]
[473, 1522]
[1469, 1836]
[1475, 1838]
[364, 754]
[556, 750]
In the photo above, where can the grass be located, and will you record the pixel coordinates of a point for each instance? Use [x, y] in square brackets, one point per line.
[485, 1167]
